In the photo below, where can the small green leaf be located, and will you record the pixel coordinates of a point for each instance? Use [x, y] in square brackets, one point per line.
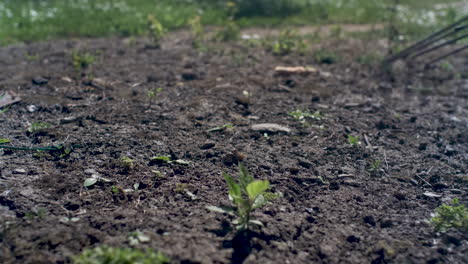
[244, 177]
[4, 140]
[256, 188]
[90, 182]
[234, 188]
[161, 159]
[4, 110]
[220, 128]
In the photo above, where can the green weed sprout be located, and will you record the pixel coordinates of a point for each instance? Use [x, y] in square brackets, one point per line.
[289, 41]
[4, 140]
[301, 116]
[247, 195]
[375, 166]
[156, 30]
[196, 28]
[451, 216]
[221, 128]
[82, 61]
[111, 255]
[36, 127]
[153, 92]
[127, 162]
[168, 160]
[353, 140]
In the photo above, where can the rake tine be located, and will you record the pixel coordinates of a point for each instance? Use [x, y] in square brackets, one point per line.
[435, 40]
[438, 46]
[447, 55]
[425, 42]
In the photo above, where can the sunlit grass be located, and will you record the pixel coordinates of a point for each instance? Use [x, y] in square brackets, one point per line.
[33, 20]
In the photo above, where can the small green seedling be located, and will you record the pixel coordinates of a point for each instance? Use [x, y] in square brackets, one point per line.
[93, 180]
[156, 30]
[115, 190]
[62, 152]
[247, 195]
[90, 182]
[153, 92]
[221, 128]
[168, 160]
[301, 116]
[375, 167]
[127, 162]
[82, 61]
[451, 216]
[354, 140]
[161, 159]
[112, 255]
[198, 33]
[4, 140]
[37, 127]
[289, 41]
[4, 110]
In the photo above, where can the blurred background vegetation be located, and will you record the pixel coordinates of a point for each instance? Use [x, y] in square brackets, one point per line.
[33, 20]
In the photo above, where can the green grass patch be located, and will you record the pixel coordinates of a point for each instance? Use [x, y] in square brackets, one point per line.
[110, 255]
[34, 20]
[451, 216]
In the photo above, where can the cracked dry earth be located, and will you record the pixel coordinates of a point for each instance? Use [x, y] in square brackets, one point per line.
[333, 207]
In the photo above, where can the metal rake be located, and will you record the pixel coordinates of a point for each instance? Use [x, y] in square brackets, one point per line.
[445, 37]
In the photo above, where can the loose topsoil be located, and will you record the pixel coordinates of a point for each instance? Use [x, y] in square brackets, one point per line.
[332, 207]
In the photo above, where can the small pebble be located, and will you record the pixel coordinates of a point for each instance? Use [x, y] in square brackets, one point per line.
[90, 171]
[31, 108]
[431, 195]
[208, 145]
[68, 120]
[270, 128]
[40, 81]
[19, 171]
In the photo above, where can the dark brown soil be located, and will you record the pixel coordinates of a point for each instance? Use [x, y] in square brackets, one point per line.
[333, 209]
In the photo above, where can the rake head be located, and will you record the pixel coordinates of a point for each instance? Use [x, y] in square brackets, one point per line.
[433, 44]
